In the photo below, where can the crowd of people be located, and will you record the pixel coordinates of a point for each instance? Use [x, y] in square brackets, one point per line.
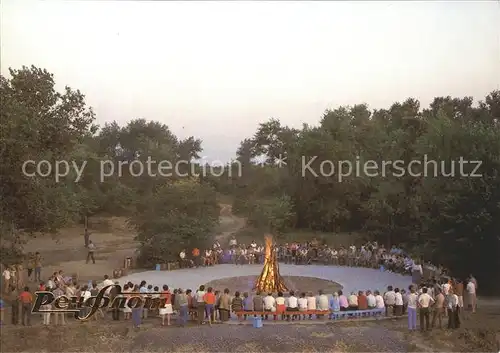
[368, 255]
[432, 300]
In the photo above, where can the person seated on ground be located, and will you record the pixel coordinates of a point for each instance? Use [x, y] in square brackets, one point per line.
[344, 304]
[311, 303]
[302, 304]
[269, 304]
[370, 299]
[322, 303]
[292, 304]
[280, 305]
[352, 300]
[362, 301]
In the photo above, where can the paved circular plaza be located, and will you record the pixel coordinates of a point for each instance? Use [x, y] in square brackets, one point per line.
[350, 278]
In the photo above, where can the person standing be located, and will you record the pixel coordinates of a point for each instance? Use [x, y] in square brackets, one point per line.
[14, 301]
[26, 300]
[424, 303]
[6, 275]
[86, 237]
[200, 304]
[209, 299]
[30, 264]
[181, 303]
[438, 309]
[38, 267]
[452, 308]
[412, 309]
[416, 273]
[59, 317]
[136, 311]
[471, 294]
[91, 249]
[225, 305]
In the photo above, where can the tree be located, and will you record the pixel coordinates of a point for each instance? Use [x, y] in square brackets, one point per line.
[38, 123]
[180, 215]
[441, 217]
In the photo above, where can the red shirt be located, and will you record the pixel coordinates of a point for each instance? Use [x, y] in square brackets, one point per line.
[209, 298]
[167, 296]
[26, 297]
[362, 302]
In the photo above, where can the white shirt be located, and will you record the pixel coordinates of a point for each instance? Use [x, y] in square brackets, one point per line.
[323, 302]
[199, 296]
[380, 302]
[471, 288]
[399, 299]
[86, 295]
[372, 302]
[311, 303]
[269, 302]
[292, 302]
[107, 282]
[446, 288]
[182, 255]
[6, 274]
[253, 245]
[352, 300]
[390, 298]
[452, 301]
[302, 302]
[232, 242]
[417, 268]
[425, 300]
[280, 301]
[412, 300]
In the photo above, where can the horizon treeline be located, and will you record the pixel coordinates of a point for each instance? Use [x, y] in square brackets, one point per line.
[449, 220]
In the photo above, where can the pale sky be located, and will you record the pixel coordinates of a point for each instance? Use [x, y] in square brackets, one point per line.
[216, 69]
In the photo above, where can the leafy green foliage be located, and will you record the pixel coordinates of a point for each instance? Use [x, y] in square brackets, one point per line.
[450, 220]
[181, 215]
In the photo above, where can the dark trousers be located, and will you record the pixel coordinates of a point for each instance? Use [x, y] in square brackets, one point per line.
[224, 314]
[90, 255]
[200, 311]
[115, 313]
[15, 312]
[453, 318]
[26, 313]
[424, 319]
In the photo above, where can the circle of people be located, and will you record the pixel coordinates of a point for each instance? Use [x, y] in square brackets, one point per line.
[433, 300]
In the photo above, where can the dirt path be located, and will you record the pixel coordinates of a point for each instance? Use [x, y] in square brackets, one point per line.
[229, 224]
[114, 239]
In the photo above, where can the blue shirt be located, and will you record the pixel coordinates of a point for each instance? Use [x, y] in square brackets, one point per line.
[334, 304]
[247, 303]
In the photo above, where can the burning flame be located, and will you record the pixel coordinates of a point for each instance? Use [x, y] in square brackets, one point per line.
[270, 280]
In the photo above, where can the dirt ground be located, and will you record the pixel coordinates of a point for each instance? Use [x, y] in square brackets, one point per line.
[115, 241]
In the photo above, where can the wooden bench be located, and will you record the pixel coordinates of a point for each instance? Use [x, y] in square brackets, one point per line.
[317, 313]
[357, 313]
[335, 315]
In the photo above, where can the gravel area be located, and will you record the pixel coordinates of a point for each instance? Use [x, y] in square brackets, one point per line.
[270, 338]
[303, 284]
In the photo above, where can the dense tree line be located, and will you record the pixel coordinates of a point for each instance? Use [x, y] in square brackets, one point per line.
[450, 220]
[39, 123]
[445, 215]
